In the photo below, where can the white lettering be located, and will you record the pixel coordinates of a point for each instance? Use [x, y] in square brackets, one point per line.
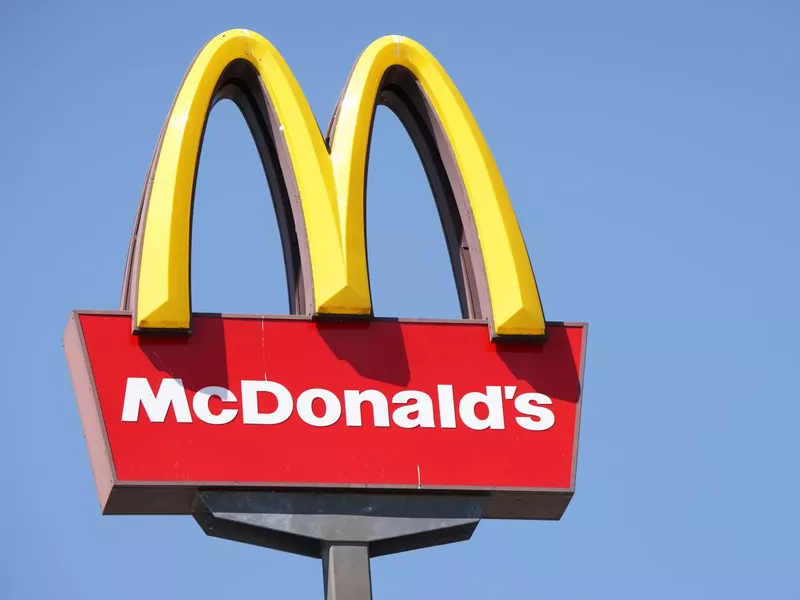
[333, 408]
[201, 410]
[353, 399]
[270, 403]
[447, 409]
[422, 409]
[545, 417]
[492, 399]
[250, 412]
[170, 393]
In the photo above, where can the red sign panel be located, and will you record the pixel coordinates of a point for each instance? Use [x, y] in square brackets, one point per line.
[277, 402]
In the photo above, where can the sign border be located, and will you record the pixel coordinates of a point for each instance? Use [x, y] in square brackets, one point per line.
[158, 497]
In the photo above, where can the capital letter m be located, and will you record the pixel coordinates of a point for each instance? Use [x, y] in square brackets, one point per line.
[170, 393]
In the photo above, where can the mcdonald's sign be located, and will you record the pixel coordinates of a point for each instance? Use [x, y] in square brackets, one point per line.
[329, 397]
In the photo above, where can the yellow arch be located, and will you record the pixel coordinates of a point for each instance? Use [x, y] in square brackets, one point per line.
[330, 185]
[515, 305]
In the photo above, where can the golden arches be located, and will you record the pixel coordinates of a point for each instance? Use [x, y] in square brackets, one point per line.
[327, 187]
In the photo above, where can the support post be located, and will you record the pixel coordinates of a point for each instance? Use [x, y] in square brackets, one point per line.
[345, 572]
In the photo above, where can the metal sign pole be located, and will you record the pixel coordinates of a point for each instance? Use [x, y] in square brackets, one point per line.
[345, 572]
[344, 530]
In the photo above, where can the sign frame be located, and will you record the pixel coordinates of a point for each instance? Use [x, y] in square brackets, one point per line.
[153, 497]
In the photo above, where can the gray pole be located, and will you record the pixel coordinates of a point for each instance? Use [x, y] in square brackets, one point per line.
[345, 571]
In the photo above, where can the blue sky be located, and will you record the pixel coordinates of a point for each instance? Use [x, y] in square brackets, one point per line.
[652, 152]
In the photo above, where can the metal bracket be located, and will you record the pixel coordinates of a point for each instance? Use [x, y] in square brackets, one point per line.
[344, 530]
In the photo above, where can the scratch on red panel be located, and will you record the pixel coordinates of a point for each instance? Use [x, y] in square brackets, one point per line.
[419, 479]
[263, 350]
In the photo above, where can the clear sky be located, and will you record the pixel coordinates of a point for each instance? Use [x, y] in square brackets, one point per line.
[652, 152]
